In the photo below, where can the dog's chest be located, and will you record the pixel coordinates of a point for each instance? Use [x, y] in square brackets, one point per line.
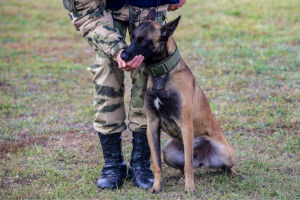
[165, 103]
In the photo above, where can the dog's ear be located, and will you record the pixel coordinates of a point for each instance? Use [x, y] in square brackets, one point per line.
[169, 28]
[151, 15]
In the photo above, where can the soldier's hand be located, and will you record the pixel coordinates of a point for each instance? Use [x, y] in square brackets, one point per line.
[173, 7]
[136, 62]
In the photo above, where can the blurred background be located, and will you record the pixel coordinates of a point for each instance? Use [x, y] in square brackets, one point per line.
[245, 54]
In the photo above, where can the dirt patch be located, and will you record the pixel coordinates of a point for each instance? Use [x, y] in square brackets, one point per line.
[6, 87]
[68, 140]
[292, 128]
[8, 146]
[27, 180]
[3, 83]
[72, 140]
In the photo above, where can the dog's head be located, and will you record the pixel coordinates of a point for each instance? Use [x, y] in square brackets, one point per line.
[149, 39]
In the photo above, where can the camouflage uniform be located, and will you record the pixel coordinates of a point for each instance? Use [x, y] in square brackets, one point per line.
[105, 31]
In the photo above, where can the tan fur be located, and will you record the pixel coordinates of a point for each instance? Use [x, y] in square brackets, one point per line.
[196, 121]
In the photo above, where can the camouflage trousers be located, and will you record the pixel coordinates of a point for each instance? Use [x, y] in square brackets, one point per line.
[108, 79]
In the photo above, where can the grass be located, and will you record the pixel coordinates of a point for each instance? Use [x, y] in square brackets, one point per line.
[244, 54]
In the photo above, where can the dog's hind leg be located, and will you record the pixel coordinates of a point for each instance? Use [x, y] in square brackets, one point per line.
[173, 153]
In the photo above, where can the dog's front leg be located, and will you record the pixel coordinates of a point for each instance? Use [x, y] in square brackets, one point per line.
[188, 143]
[153, 136]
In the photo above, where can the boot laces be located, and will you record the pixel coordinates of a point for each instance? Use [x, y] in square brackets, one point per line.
[113, 171]
[142, 172]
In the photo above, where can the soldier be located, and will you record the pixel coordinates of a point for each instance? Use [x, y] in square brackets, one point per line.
[103, 24]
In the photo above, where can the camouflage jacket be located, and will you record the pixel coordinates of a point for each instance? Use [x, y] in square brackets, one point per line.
[87, 14]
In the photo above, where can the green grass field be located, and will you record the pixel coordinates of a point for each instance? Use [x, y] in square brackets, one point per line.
[244, 54]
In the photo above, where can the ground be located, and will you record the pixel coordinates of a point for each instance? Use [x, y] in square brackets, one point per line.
[244, 54]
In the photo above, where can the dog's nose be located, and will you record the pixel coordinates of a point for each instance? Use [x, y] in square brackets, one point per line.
[125, 56]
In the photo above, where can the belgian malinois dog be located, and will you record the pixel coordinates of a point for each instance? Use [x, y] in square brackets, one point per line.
[176, 105]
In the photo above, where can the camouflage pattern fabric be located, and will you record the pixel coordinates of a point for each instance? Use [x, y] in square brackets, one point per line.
[87, 15]
[106, 37]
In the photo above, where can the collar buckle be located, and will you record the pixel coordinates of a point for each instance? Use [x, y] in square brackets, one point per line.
[164, 67]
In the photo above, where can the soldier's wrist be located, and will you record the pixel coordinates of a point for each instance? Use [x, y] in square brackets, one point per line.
[115, 56]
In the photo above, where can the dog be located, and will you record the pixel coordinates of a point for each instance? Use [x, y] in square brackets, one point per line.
[176, 105]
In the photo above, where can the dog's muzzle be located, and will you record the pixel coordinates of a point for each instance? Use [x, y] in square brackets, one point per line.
[125, 56]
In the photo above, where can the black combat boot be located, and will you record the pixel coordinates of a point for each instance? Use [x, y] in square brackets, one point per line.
[114, 170]
[139, 169]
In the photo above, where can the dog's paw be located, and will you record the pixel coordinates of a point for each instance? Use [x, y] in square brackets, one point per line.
[189, 188]
[155, 188]
[233, 174]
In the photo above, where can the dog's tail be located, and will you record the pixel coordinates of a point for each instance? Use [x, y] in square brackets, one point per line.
[207, 152]
[212, 153]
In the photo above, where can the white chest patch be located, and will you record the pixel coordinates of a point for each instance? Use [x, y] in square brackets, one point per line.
[157, 103]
